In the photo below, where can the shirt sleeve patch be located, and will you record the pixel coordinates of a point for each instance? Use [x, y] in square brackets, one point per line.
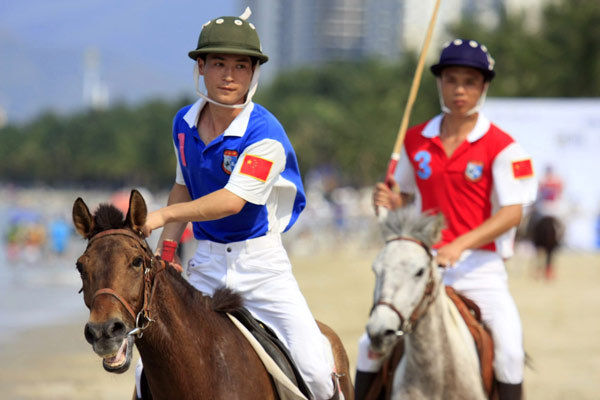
[522, 169]
[256, 167]
[181, 138]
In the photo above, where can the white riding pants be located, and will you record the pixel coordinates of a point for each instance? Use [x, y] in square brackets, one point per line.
[260, 270]
[481, 276]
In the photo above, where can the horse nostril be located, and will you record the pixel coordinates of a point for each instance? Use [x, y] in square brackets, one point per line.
[115, 328]
[92, 332]
[377, 343]
[389, 332]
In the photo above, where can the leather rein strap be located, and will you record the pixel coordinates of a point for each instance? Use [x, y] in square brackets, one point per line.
[426, 299]
[149, 281]
[111, 292]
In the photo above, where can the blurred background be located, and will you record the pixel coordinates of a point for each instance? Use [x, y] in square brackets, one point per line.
[88, 91]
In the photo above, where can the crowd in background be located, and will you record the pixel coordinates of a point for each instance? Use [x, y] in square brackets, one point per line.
[35, 223]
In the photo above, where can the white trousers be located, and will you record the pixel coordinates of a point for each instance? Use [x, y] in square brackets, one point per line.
[481, 276]
[260, 270]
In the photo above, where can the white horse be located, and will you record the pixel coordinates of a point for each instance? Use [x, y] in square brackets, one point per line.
[440, 358]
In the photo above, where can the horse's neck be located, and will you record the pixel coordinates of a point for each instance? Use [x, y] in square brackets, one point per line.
[440, 348]
[193, 352]
[176, 319]
[175, 311]
[429, 337]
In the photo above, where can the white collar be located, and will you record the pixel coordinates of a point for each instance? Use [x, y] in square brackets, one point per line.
[432, 129]
[237, 127]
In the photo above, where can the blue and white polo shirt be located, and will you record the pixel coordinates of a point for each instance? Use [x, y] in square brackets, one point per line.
[253, 159]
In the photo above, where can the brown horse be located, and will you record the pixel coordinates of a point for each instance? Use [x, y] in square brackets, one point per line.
[546, 234]
[189, 347]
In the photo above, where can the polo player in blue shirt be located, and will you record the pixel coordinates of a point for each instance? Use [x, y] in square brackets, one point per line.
[238, 182]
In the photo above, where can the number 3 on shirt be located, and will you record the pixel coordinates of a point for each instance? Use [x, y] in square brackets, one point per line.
[423, 158]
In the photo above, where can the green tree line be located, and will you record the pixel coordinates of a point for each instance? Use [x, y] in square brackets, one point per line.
[341, 115]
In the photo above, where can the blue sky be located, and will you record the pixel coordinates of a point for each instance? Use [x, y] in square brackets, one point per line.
[143, 47]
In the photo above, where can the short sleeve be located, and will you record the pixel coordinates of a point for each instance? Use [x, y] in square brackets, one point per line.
[405, 174]
[514, 178]
[257, 170]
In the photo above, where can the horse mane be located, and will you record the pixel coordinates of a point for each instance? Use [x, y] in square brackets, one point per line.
[107, 216]
[224, 299]
[194, 297]
[409, 222]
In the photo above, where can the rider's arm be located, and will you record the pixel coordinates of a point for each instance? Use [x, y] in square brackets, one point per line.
[403, 186]
[174, 230]
[506, 218]
[216, 205]
[391, 199]
[515, 187]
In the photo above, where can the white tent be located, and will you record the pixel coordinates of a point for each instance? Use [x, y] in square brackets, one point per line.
[563, 133]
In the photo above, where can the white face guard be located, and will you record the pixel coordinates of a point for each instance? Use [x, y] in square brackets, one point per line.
[473, 110]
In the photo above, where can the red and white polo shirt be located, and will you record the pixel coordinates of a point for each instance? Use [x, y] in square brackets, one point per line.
[487, 171]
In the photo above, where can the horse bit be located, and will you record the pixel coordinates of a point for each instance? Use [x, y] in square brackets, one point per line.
[406, 326]
[143, 318]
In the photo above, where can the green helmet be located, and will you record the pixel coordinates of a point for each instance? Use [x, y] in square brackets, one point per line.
[229, 35]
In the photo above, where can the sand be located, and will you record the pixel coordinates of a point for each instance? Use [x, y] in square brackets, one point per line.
[561, 321]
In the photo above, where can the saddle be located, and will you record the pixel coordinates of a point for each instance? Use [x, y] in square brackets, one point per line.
[273, 346]
[381, 388]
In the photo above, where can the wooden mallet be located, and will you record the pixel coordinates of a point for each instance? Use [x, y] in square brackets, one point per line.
[389, 177]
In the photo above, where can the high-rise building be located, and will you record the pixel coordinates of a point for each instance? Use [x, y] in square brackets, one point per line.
[384, 28]
[418, 14]
[532, 10]
[296, 33]
[3, 117]
[95, 91]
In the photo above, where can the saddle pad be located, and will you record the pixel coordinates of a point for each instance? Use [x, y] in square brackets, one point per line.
[285, 387]
[273, 346]
[481, 335]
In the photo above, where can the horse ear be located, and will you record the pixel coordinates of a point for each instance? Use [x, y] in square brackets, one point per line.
[136, 215]
[82, 218]
[433, 228]
[382, 219]
[382, 214]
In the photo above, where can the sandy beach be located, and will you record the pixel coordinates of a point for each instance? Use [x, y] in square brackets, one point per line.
[561, 322]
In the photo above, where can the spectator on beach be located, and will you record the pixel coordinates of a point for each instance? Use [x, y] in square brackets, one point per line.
[550, 195]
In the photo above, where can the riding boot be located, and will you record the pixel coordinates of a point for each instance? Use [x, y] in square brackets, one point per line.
[362, 384]
[144, 388]
[509, 391]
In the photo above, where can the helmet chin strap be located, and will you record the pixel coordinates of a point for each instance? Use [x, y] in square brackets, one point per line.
[473, 110]
[249, 95]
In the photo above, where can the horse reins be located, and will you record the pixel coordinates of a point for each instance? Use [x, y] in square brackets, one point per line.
[426, 299]
[149, 280]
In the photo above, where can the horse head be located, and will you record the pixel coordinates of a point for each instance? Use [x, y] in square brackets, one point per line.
[112, 270]
[405, 274]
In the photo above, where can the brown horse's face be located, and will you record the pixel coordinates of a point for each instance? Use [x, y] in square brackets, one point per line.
[114, 262]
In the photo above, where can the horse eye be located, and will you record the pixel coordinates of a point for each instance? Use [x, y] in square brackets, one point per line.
[79, 267]
[138, 262]
[420, 272]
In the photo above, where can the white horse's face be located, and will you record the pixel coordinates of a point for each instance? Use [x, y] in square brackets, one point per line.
[402, 270]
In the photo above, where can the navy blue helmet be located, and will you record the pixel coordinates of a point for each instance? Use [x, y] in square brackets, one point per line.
[466, 53]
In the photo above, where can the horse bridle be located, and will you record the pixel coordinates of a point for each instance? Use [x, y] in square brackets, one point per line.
[143, 318]
[407, 326]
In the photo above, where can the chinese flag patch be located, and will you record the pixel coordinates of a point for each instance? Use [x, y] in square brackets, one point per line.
[256, 167]
[522, 169]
